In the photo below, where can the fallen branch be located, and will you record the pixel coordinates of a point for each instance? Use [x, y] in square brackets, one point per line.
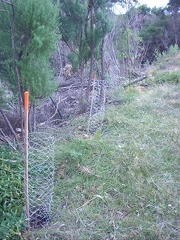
[114, 101]
[135, 81]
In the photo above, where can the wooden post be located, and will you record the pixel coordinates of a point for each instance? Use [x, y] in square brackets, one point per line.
[26, 111]
[91, 107]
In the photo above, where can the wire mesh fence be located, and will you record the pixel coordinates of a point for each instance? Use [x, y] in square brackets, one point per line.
[97, 108]
[40, 179]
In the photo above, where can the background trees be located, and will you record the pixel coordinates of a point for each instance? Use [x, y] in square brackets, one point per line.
[30, 29]
[84, 24]
[28, 32]
[173, 10]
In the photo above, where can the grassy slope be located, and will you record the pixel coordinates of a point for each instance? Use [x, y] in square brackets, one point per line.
[129, 188]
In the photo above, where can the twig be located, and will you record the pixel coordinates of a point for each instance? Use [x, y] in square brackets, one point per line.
[9, 124]
[57, 111]
[3, 137]
[89, 201]
[7, 2]
[55, 120]
[56, 106]
[86, 203]
[53, 115]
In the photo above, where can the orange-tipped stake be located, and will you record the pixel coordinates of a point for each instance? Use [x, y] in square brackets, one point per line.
[26, 185]
[26, 101]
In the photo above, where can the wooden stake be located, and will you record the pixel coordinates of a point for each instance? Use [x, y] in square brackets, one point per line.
[91, 107]
[26, 111]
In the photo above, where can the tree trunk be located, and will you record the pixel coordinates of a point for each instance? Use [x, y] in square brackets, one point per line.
[32, 118]
[15, 59]
[102, 60]
[82, 97]
[92, 48]
[34, 123]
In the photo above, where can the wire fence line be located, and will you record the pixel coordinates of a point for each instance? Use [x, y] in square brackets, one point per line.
[41, 167]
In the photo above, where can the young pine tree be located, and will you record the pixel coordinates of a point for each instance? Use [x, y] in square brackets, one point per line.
[28, 31]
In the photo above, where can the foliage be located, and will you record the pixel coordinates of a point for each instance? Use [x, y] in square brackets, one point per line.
[167, 77]
[159, 29]
[144, 9]
[76, 31]
[152, 32]
[163, 58]
[33, 26]
[4, 96]
[173, 50]
[127, 41]
[73, 26]
[153, 35]
[166, 61]
[174, 5]
[11, 194]
[39, 84]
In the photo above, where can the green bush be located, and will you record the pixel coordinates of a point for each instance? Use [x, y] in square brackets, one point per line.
[173, 50]
[11, 195]
[163, 58]
[167, 77]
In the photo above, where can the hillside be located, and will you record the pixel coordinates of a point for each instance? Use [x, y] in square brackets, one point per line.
[123, 182]
[100, 158]
[118, 183]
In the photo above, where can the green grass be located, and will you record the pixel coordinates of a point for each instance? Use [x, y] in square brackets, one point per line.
[132, 188]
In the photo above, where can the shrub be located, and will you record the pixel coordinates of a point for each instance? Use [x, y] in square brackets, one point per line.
[173, 50]
[11, 196]
[167, 77]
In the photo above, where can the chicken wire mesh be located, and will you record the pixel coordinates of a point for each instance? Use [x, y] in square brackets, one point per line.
[40, 179]
[97, 108]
